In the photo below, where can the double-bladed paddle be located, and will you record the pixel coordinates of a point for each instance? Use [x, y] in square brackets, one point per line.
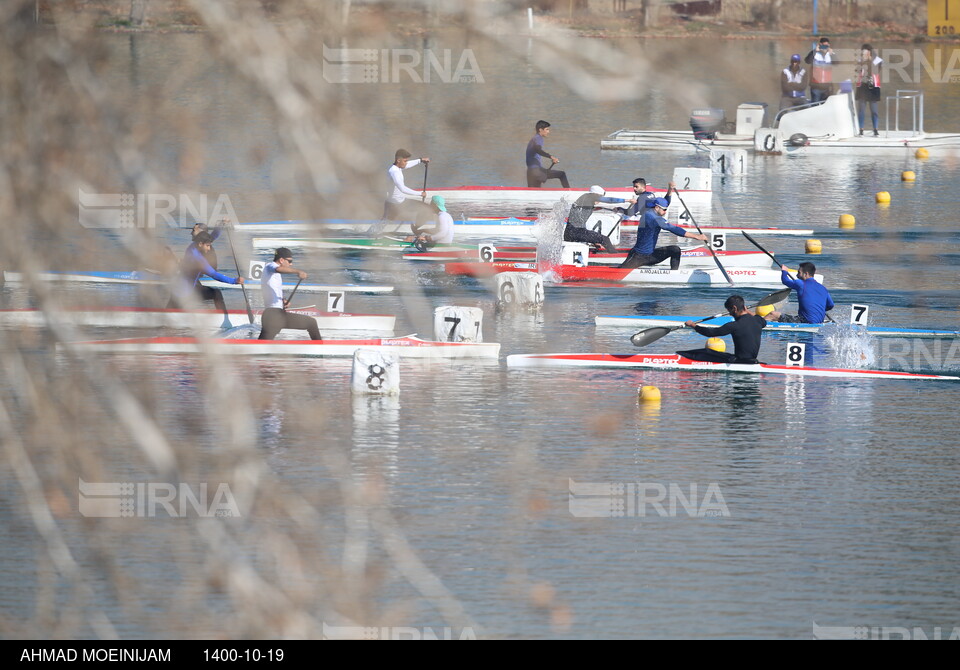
[709, 246]
[645, 337]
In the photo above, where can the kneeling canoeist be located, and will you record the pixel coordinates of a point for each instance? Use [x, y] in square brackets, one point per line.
[576, 228]
[745, 330]
[396, 207]
[442, 230]
[814, 298]
[645, 251]
[193, 266]
[275, 315]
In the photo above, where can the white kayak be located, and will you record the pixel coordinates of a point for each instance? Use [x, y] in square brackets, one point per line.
[200, 319]
[651, 321]
[697, 257]
[491, 227]
[405, 347]
[655, 274]
[148, 278]
[678, 362]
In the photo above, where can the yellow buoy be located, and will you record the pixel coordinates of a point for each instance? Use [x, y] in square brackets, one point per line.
[716, 344]
[813, 246]
[847, 221]
[883, 197]
[649, 393]
[908, 175]
[921, 153]
[763, 310]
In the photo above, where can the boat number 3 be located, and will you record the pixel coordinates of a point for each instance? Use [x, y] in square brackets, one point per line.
[375, 379]
[795, 354]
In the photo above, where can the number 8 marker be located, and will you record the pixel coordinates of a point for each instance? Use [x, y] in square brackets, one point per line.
[795, 354]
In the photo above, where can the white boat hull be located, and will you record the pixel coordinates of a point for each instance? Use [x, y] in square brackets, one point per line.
[404, 347]
[133, 317]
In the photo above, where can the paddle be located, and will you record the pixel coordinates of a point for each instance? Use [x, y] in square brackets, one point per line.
[645, 337]
[774, 259]
[426, 169]
[236, 264]
[292, 293]
[709, 246]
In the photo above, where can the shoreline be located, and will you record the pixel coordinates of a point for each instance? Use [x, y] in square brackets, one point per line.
[113, 16]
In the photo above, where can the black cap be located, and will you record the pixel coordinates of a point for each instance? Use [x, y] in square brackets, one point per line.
[283, 252]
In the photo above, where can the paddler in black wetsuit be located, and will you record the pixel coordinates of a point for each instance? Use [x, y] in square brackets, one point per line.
[576, 228]
[745, 329]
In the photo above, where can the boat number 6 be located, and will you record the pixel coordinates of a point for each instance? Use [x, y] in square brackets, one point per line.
[487, 252]
[507, 292]
[376, 373]
[256, 270]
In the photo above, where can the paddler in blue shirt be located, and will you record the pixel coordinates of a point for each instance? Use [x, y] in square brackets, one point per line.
[645, 251]
[192, 268]
[814, 298]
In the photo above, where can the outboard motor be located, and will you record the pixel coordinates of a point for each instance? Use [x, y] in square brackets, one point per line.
[706, 123]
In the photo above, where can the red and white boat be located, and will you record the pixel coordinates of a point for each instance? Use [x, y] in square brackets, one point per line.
[693, 257]
[547, 196]
[646, 275]
[200, 319]
[405, 347]
[678, 362]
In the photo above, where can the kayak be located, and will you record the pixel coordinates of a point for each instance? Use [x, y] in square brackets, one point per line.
[640, 322]
[147, 278]
[405, 347]
[696, 257]
[137, 317]
[678, 362]
[353, 244]
[469, 227]
[644, 275]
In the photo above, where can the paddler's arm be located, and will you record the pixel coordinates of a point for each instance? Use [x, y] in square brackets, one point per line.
[290, 270]
[787, 280]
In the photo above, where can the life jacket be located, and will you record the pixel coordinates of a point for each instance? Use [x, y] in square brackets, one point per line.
[822, 70]
[794, 78]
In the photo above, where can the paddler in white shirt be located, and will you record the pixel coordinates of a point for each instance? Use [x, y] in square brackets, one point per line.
[275, 315]
[394, 208]
[442, 230]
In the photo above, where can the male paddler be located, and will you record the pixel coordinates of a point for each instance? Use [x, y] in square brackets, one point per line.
[576, 228]
[395, 207]
[434, 226]
[745, 329]
[646, 251]
[814, 298]
[192, 268]
[275, 315]
[536, 173]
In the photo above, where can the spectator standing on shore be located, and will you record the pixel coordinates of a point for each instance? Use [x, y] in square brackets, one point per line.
[867, 83]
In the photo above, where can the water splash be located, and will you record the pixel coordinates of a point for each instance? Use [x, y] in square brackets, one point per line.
[849, 346]
[549, 233]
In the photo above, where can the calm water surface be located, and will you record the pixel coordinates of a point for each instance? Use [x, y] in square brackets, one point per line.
[841, 495]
